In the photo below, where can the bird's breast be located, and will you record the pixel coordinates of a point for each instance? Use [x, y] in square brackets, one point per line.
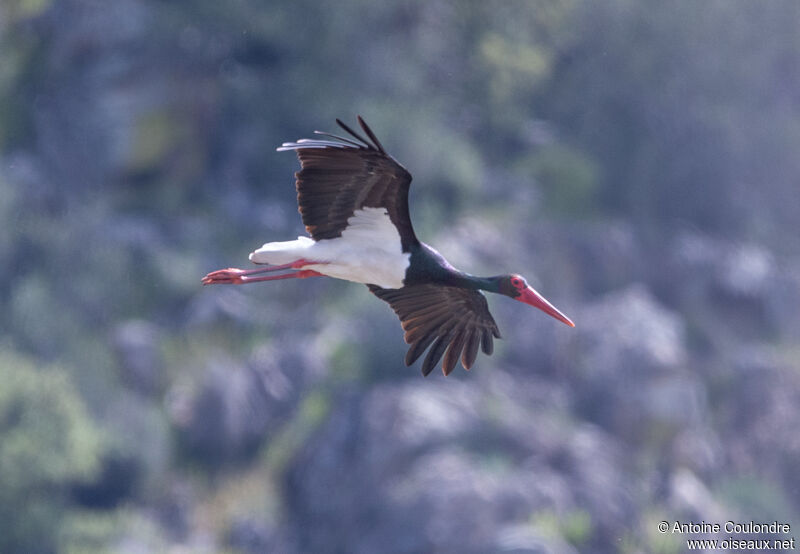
[426, 265]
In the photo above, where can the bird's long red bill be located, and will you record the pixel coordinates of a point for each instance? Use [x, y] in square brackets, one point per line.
[532, 298]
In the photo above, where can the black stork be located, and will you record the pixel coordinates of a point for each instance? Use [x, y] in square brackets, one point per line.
[353, 199]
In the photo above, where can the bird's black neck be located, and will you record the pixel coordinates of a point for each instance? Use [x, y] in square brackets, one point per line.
[428, 266]
[467, 281]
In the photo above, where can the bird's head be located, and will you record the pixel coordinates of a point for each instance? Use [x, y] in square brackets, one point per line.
[516, 287]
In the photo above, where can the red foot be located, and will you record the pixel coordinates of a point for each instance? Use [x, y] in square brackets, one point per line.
[230, 276]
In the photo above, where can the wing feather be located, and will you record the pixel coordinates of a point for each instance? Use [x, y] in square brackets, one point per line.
[417, 348]
[340, 175]
[434, 354]
[452, 321]
[486, 342]
[339, 138]
[454, 351]
[470, 350]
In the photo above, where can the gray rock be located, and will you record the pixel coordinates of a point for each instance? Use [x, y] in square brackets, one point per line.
[729, 286]
[236, 406]
[630, 365]
[136, 343]
[446, 468]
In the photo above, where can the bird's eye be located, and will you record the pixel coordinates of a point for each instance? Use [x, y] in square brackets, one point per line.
[516, 282]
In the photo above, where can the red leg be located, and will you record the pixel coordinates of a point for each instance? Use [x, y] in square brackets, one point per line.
[302, 274]
[234, 276]
[240, 277]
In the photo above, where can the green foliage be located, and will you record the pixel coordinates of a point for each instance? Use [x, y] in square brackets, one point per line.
[512, 64]
[21, 9]
[288, 440]
[568, 179]
[755, 498]
[48, 442]
[654, 540]
[93, 532]
[574, 526]
[676, 100]
[85, 532]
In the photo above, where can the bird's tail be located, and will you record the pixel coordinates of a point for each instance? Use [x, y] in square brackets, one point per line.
[277, 253]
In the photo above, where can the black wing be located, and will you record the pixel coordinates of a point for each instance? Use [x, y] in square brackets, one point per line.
[340, 175]
[450, 318]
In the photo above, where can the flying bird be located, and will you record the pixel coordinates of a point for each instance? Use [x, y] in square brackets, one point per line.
[353, 199]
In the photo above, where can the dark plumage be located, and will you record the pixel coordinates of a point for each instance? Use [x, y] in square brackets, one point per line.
[455, 318]
[337, 178]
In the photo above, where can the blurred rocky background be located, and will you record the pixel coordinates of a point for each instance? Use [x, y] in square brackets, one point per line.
[638, 161]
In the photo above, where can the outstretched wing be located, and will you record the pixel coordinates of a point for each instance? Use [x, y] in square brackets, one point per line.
[340, 175]
[455, 321]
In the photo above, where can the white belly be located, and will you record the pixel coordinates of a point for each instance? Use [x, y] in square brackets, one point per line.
[369, 251]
